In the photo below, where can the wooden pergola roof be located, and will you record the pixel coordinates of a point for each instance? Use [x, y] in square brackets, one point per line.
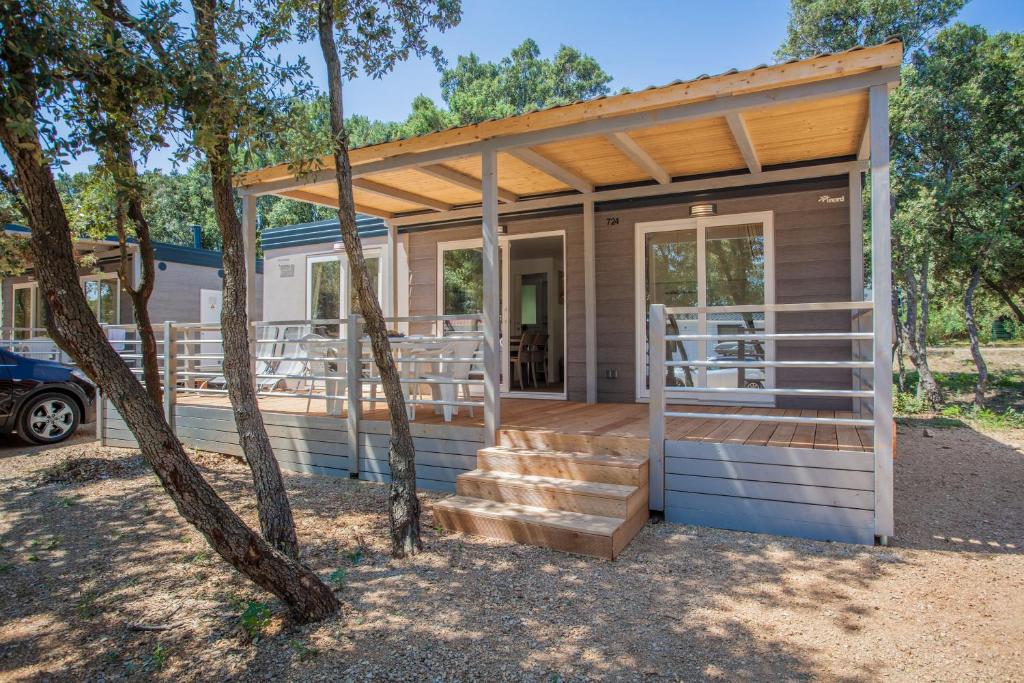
[738, 122]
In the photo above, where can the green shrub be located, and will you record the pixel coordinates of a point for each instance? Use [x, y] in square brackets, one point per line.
[255, 618]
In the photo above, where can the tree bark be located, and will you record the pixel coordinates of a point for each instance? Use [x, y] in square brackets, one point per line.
[73, 326]
[122, 165]
[915, 332]
[275, 512]
[897, 342]
[972, 333]
[1007, 299]
[403, 504]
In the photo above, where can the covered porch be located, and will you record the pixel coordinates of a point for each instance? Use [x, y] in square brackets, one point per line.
[709, 286]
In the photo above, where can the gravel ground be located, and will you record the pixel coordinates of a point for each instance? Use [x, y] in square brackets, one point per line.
[92, 549]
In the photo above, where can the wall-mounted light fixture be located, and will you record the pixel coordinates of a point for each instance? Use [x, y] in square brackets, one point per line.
[702, 210]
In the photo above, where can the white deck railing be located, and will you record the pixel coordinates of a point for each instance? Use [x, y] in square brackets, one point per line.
[661, 363]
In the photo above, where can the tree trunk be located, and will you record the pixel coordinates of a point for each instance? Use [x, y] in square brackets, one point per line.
[1007, 299]
[275, 512]
[972, 333]
[403, 504]
[915, 332]
[72, 324]
[897, 342]
[122, 166]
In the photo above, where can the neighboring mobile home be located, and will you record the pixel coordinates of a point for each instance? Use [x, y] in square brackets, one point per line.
[188, 286]
[662, 298]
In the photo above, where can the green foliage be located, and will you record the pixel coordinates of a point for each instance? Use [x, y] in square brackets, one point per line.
[817, 26]
[255, 618]
[959, 149]
[301, 650]
[523, 81]
[1010, 418]
[338, 579]
[157, 659]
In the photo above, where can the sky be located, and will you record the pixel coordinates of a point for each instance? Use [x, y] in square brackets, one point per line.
[639, 43]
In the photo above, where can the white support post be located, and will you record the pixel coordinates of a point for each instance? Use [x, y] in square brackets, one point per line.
[492, 284]
[857, 348]
[249, 242]
[392, 268]
[354, 391]
[170, 374]
[590, 299]
[656, 448]
[881, 287]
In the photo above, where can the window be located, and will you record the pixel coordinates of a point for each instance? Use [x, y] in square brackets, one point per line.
[25, 311]
[373, 268]
[325, 275]
[463, 272]
[703, 270]
[101, 293]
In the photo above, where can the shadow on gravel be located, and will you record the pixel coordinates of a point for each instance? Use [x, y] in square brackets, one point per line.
[959, 489]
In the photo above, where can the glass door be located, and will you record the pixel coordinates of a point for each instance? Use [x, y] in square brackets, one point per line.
[715, 277]
[532, 306]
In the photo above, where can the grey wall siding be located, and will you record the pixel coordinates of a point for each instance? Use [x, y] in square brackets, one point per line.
[824, 495]
[818, 269]
[175, 296]
[812, 264]
[302, 443]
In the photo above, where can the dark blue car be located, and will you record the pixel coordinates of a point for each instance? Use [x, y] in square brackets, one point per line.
[43, 401]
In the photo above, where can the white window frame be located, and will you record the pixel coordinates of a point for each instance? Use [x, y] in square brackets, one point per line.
[700, 225]
[506, 286]
[383, 279]
[33, 304]
[117, 290]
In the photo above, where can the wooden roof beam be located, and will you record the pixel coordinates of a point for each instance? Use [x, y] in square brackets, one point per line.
[401, 195]
[549, 167]
[463, 180]
[321, 200]
[742, 136]
[639, 156]
[864, 150]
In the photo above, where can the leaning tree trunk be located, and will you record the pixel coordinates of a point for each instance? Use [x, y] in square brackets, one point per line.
[1004, 294]
[72, 324]
[972, 333]
[275, 513]
[403, 504]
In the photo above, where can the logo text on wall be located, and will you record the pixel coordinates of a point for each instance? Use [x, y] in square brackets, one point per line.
[829, 199]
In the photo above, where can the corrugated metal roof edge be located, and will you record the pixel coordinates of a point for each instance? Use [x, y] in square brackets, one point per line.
[165, 251]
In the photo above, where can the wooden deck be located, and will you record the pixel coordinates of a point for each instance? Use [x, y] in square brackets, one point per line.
[624, 420]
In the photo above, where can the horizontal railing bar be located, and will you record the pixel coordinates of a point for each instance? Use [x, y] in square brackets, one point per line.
[422, 380]
[837, 421]
[838, 393]
[312, 321]
[788, 336]
[775, 308]
[467, 335]
[428, 402]
[771, 363]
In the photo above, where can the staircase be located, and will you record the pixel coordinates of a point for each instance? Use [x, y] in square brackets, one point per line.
[576, 501]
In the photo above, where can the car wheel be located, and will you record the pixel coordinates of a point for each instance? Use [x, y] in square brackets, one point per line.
[48, 418]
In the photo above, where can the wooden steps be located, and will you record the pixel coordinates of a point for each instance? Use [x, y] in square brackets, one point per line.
[586, 503]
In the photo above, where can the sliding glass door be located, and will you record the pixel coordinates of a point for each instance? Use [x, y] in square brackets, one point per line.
[714, 276]
[532, 303]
